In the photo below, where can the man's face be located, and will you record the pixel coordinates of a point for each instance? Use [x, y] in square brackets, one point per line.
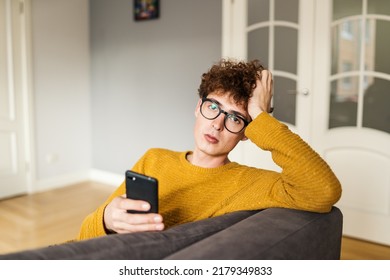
[211, 136]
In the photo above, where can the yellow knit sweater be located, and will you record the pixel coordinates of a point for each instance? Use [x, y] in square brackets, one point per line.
[190, 193]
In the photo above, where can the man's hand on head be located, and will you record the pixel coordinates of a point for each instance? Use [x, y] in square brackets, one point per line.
[262, 95]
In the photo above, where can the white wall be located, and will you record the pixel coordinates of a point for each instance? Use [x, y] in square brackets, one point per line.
[107, 88]
[60, 58]
[145, 77]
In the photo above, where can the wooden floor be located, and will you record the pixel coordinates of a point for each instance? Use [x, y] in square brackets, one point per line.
[55, 216]
[47, 218]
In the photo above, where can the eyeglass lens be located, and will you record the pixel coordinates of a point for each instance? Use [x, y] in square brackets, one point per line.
[211, 110]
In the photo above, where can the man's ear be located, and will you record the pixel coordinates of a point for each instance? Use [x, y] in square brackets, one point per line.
[197, 109]
[244, 138]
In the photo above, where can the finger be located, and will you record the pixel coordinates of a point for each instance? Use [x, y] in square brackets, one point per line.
[131, 204]
[267, 85]
[265, 75]
[138, 222]
[267, 80]
[126, 228]
[138, 219]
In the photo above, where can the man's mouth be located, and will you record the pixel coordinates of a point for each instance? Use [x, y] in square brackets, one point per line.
[211, 139]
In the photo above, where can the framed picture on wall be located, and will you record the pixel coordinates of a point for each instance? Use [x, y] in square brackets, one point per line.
[146, 9]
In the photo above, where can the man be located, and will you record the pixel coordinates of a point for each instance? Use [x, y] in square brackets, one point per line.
[234, 105]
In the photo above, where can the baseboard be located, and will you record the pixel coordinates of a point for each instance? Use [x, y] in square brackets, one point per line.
[101, 176]
[61, 181]
[105, 177]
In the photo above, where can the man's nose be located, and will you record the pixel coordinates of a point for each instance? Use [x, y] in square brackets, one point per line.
[218, 123]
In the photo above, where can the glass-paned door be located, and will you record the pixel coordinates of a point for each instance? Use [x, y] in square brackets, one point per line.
[352, 116]
[330, 60]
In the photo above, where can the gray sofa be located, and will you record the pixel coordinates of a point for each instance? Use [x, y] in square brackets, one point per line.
[272, 234]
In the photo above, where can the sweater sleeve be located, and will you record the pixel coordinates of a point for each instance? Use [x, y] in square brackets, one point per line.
[93, 224]
[306, 181]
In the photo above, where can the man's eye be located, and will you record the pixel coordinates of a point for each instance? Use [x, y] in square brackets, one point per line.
[235, 119]
[213, 106]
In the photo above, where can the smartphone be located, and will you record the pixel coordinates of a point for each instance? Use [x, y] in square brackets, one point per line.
[142, 187]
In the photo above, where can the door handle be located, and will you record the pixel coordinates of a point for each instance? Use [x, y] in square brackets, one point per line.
[304, 91]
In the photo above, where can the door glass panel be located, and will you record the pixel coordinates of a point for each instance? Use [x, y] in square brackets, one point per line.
[345, 8]
[286, 44]
[284, 41]
[258, 11]
[346, 46]
[284, 99]
[287, 10]
[380, 7]
[258, 45]
[378, 46]
[376, 109]
[343, 102]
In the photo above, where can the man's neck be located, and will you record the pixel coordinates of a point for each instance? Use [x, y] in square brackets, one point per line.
[207, 161]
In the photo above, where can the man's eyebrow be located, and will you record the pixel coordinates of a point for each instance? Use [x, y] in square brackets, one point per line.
[231, 111]
[215, 101]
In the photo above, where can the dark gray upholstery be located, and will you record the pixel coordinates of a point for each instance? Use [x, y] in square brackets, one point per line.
[273, 233]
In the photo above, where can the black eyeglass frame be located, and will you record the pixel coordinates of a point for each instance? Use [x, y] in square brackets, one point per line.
[204, 99]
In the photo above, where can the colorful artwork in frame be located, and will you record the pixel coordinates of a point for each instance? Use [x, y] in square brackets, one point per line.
[146, 9]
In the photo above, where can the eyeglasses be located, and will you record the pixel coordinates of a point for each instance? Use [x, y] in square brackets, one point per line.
[211, 110]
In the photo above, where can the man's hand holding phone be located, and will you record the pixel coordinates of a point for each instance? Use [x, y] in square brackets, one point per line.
[117, 219]
[138, 209]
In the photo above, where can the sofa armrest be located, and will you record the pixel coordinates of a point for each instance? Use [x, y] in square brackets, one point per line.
[274, 233]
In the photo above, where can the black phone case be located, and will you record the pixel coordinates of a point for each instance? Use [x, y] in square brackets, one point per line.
[142, 187]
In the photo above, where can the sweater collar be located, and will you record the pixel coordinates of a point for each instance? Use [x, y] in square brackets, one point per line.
[186, 164]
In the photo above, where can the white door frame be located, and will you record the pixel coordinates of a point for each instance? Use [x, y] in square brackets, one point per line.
[19, 12]
[28, 107]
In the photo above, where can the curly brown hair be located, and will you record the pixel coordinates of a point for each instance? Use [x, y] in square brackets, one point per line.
[236, 78]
